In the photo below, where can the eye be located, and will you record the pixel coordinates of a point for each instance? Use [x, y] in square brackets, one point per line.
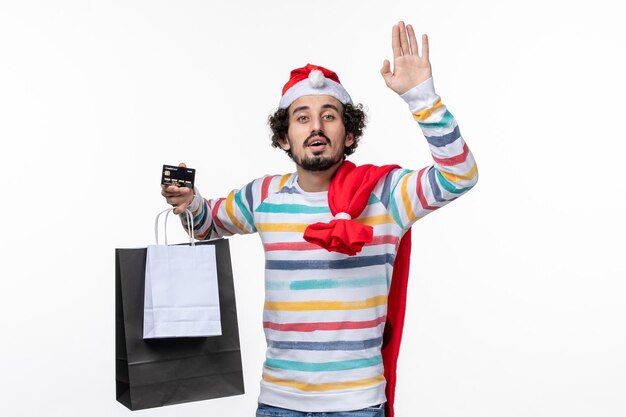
[302, 118]
[328, 117]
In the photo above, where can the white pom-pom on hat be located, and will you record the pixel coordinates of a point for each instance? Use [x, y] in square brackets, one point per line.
[316, 79]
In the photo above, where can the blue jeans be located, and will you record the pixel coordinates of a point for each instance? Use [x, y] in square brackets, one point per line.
[270, 411]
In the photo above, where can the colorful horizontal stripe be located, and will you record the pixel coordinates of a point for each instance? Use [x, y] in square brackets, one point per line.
[243, 209]
[386, 191]
[426, 113]
[408, 204]
[328, 386]
[348, 263]
[449, 187]
[325, 284]
[217, 219]
[434, 185]
[326, 346]
[291, 209]
[420, 193]
[453, 160]
[265, 187]
[326, 305]
[325, 325]
[445, 122]
[281, 227]
[290, 246]
[230, 210]
[283, 181]
[302, 246]
[324, 366]
[375, 220]
[288, 190]
[461, 177]
[447, 139]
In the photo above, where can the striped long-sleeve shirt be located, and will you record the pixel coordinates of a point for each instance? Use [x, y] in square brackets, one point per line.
[324, 312]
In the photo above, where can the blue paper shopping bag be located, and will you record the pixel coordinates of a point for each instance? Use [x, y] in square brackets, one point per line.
[181, 291]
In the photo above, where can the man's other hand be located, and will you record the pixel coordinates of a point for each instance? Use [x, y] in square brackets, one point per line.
[409, 68]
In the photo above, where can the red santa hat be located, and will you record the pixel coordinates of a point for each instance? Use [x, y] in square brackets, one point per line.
[313, 80]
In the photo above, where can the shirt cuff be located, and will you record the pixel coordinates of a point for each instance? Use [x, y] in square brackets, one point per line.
[195, 203]
[421, 97]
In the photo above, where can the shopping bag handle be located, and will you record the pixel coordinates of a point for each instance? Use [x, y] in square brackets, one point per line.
[189, 226]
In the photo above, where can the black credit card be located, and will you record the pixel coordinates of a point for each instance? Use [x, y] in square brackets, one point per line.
[178, 176]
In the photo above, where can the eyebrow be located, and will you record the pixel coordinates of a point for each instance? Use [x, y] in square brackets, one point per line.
[324, 106]
[331, 106]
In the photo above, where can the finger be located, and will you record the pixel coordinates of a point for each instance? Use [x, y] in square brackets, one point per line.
[425, 46]
[403, 40]
[180, 208]
[182, 165]
[395, 42]
[185, 191]
[166, 192]
[412, 40]
[176, 200]
[170, 190]
[182, 193]
[385, 71]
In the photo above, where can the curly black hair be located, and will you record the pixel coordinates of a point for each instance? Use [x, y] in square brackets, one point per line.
[354, 120]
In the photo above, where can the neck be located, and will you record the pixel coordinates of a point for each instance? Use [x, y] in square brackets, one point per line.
[315, 181]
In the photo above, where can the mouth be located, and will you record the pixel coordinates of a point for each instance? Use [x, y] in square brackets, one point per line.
[317, 143]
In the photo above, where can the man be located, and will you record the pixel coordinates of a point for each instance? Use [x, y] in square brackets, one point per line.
[328, 284]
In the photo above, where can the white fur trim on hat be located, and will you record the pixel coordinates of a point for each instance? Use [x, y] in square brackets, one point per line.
[309, 87]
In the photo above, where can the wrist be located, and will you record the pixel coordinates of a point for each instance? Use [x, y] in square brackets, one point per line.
[194, 203]
[422, 96]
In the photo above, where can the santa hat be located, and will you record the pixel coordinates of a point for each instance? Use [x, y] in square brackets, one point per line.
[313, 80]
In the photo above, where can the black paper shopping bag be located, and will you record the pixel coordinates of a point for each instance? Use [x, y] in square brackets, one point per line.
[158, 372]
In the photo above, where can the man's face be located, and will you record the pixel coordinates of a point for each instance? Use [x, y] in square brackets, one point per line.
[316, 135]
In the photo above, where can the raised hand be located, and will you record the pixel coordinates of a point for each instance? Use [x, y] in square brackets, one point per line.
[409, 68]
[178, 197]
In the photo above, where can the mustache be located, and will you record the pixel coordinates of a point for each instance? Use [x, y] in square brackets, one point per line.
[316, 134]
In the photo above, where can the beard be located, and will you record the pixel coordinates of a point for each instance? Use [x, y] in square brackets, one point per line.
[317, 162]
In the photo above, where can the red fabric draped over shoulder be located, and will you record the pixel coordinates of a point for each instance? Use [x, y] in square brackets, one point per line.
[348, 194]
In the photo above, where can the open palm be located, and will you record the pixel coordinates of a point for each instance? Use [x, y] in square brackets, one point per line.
[409, 68]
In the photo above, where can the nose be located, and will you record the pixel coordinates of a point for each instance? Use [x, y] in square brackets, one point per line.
[316, 124]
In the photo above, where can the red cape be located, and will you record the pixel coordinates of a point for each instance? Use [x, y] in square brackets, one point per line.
[349, 193]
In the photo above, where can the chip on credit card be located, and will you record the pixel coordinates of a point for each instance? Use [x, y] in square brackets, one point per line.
[178, 176]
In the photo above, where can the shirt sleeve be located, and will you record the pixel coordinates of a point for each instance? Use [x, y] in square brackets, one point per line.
[233, 214]
[415, 193]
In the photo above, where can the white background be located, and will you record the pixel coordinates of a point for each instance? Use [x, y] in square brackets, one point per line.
[517, 294]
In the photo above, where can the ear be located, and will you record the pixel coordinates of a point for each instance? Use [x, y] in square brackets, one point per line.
[349, 141]
[284, 143]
